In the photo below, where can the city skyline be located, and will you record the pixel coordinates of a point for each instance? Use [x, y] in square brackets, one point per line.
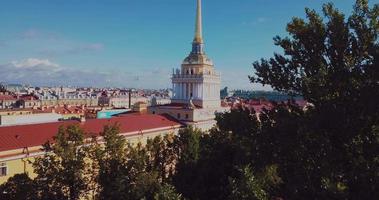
[136, 43]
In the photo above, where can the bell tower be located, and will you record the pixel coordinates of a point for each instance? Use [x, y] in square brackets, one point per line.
[197, 81]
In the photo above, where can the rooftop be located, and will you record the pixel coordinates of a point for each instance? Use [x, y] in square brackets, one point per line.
[21, 136]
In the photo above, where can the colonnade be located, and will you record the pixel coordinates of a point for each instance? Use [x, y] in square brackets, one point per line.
[201, 91]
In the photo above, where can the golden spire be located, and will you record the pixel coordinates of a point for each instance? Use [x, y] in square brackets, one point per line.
[198, 29]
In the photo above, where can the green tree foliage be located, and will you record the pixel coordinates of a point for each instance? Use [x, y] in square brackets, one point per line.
[162, 157]
[128, 171]
[328, 151]
[110, 159]
[217, 156]
[247, 187]
[61, 173]
[18, 187]
[331, 150]
[167, 192]
[187, 147]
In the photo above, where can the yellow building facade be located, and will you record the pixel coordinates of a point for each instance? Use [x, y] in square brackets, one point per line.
[20, 160]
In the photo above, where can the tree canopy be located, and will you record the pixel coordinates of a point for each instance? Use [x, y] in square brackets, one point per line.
[330, 150]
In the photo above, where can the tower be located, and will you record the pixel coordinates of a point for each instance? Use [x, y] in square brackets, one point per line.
[196, 80]
[196, 86]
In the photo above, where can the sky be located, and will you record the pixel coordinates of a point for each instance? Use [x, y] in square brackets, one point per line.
[137, 43]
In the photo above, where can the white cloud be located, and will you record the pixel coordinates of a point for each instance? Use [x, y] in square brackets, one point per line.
[259, 20]
[33, 34]
[43, 72]
[49, 43]
[72, 49]
[35, 63]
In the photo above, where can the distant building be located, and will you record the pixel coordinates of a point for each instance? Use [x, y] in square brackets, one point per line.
[7, 101]
[70, 101]
[121, 101]
[155, 101]
[29, 101]
[67, 111]
[32, 118]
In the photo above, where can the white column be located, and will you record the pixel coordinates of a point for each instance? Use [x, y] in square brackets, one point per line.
[194, 90]
[178, 91]
[196, 95]
[190, 90]
[201, 91]
[205, 91]
[184, 90]
[213, 91]
[181, 91]
[175, 90]
[210, 90]
[197, 91]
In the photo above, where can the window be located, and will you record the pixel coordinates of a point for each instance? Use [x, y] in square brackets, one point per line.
[178, 115]
[187, 116]
[3, 169]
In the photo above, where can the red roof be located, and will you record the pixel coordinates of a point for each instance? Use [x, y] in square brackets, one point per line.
[16, 137]
[29, 97]
[7, 98]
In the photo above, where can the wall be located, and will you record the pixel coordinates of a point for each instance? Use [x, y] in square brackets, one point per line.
[6, 120]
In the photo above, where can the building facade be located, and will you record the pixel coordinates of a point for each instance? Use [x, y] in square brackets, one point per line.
[20, 145]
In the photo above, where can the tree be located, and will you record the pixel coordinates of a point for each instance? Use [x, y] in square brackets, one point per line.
[162, 157]
[167, 192]
[111, 158]
[18, 187]
[331, 150]
[127, 171]
[187, 148]
[247, 186]
[208, 161]
[61, 171]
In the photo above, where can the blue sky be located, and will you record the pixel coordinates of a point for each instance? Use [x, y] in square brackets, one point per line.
[136, 43]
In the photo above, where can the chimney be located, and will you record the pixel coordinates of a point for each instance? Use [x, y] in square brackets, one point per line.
[82, 119]
[130, 99]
